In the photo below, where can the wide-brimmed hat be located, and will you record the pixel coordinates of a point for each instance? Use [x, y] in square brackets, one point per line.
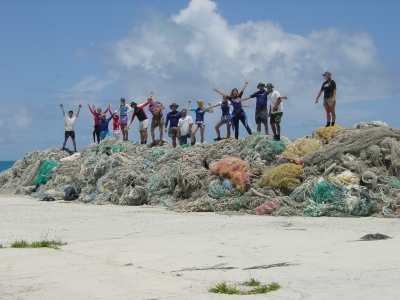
[270, 85]
[327, 73]
[174, 104]
[260, 83]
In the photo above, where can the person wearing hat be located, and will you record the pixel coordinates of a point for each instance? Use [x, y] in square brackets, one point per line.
[261, 114]
[199, 122]
[116, 131]
[156, 107]
[329, 89]
[173, 119]
[275, 110]
[103, 125]
[124, 109]
[96, 131]
[138, 111]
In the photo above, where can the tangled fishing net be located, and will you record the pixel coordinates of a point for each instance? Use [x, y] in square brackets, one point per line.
[348, 171]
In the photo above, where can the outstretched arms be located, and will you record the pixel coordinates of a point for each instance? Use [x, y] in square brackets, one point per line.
[187, 105]
[217, 91]
[245, 84]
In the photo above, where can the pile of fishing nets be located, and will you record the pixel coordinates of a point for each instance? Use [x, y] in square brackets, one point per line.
[335, 171]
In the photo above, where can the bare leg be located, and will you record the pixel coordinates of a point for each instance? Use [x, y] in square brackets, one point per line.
[328, 114]
[161, 135]
[174, 142]
[273, 127]
[65, 142]
[193, 138]
[266, 128]
[228, 131]
[332, 112]
[217, 126]
[152, 135]
[259, 126]
[73, 142]
[202, 135]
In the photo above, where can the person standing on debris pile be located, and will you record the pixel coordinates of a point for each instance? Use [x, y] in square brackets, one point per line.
[155, 108]
[275, 110]
[261, 115]
[69, 126]
[184, 127]
[124, 109]
[103, 126]
[139, 112]
[238, 112]
[199, 122]
[173, 119]
[116, 131]
[329, 89]
[96, 131]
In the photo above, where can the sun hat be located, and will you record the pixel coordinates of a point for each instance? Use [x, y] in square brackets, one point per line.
[174, 104]
[327, 73]
[260, 83]
[270, 85]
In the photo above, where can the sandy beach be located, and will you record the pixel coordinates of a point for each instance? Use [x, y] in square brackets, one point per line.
[124, 252]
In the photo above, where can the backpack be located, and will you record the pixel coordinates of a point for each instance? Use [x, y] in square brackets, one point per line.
[70, 194]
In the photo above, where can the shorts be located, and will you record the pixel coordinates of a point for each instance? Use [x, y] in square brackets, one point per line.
[172, 131]
[329, 102]
[184, 138]
[143, 124]
[104, 134]
[276, 118]
[159, 122]
[200, 124]
[70, 134]
[225, 119]
[262, 115]
[116, 133]
[123, 120]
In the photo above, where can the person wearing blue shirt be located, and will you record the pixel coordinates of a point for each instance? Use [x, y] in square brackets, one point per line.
[124, 109]
[199, 122]
[261, 115]
[238, 114]
[103, 125]
[173, 119]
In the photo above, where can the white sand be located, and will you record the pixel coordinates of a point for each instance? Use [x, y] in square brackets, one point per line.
[325, 261]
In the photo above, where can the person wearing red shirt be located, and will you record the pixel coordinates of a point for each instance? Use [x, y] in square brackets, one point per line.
[116, 131]
[95, 113]
[139, 112]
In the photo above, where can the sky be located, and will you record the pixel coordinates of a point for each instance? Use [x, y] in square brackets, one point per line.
[79, 52]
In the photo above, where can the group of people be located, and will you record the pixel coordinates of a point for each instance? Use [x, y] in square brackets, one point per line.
[180, 126]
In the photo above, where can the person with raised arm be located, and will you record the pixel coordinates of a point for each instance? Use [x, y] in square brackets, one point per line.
[124, 109]
[329, 89]
[155, 108]
[173, 119]
[138, 111]
[96, 131]
[103, 125]
[69, 126]
[238, 114]
[275, 110]
[199, 121]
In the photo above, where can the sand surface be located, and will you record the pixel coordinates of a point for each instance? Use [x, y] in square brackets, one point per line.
[121, 252]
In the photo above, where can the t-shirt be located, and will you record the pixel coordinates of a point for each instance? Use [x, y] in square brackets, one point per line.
[69, 123]
[124, 110]
[199, 113]
[236, 105]
[224, 107]
[183, 124]
[273, 97]
[153, 107]
[261, 98]
[173, 117]
[328, 87]
[139, 112]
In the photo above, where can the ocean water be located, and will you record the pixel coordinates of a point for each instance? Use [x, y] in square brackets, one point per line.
[6, 164]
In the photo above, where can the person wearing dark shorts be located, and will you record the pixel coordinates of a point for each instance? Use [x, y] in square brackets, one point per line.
[329, 89]
[275, 110]
[173, 119]
[261, 114]
[69, 126]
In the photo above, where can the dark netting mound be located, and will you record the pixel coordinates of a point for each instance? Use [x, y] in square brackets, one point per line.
[338, 171]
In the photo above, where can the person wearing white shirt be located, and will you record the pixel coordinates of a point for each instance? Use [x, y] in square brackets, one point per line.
[184, 127]
[275, 110]
[69, 126]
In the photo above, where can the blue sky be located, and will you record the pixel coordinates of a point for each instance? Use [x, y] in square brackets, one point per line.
[79, 52]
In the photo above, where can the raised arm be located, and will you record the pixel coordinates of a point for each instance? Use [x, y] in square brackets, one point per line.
[246, 82]
[187, 105]
[217, 91]
[79, 110]
[62, 109]
[92, 110]
[108, 109]
[211, 110]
